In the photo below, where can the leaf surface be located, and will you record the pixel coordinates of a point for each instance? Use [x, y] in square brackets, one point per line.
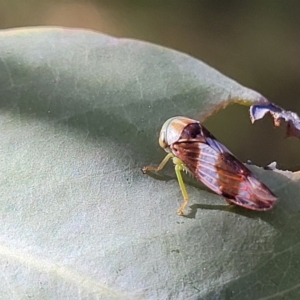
[80, 116]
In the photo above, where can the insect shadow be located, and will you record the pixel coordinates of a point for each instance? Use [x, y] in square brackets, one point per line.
[193, 208]
[226, 207]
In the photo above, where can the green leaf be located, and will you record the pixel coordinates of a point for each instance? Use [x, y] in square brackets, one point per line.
[80, 115]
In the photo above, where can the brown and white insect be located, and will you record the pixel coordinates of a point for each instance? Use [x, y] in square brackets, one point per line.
[193, 148]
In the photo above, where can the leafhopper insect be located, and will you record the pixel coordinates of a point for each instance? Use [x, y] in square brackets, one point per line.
[194, 149]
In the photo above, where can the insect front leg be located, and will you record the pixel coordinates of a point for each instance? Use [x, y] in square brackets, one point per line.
[178, 168]
[159, 167]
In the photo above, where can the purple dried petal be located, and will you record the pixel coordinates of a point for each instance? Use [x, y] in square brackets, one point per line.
[292, 119]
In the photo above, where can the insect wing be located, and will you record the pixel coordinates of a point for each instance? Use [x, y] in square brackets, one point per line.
[220, 171]
[240, 186]
[213, 142]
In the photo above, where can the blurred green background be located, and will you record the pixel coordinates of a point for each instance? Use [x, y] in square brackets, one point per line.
[255, 42]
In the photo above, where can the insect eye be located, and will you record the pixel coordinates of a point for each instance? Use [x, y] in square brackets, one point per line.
[162, 143]
[162, 139]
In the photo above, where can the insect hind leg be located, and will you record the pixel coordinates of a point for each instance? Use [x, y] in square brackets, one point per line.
[230, 202]
[178, 168]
